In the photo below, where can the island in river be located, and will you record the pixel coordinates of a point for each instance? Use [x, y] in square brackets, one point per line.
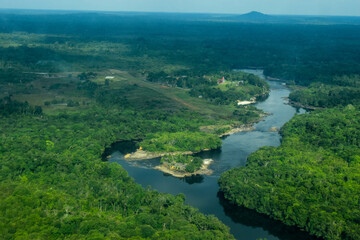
[178, 164]
[142, 154]
[182, 163]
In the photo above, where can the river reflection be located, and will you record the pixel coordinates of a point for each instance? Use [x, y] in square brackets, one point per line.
[202, 191]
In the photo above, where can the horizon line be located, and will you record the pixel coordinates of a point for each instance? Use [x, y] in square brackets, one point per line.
[169, 12]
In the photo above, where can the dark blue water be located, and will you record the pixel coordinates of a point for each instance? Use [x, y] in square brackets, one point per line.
[202, 191]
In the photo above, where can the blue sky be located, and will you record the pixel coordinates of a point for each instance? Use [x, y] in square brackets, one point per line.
[298, 7]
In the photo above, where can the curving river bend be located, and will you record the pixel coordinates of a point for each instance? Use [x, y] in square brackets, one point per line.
[202, 191]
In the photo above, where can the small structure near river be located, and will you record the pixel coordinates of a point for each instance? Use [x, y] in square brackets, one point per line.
[244, 103]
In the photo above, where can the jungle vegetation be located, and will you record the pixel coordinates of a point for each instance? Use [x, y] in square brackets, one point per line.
[312, 180]
[180, 142]
[54, 184]
[342, 91]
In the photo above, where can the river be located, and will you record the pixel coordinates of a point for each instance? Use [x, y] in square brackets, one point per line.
[202, 191]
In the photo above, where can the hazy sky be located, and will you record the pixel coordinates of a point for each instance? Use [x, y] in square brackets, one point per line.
[298, 7]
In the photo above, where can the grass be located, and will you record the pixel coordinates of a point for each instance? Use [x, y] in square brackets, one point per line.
[181, 96]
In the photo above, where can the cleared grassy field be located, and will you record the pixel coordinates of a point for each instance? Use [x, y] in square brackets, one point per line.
[181, 96]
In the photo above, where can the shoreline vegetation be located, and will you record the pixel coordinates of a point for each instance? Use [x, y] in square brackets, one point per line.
[300, 105]
[312, 177]
[244, 128]
[141, 154]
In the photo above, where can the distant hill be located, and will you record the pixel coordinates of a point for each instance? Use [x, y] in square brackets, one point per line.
[254, 17]
[258, 17]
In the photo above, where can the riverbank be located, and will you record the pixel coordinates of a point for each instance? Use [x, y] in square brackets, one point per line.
[144, 155]
[245, 128]
[299, 105]
[204, 170]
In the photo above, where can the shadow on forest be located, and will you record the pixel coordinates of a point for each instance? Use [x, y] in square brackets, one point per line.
[252, 218]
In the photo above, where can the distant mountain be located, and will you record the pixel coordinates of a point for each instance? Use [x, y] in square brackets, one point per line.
[254, 14]
[258, 17]
[254, 17]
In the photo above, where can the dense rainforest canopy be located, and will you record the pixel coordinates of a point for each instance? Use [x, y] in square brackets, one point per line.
[55, 185]
[312, 180]
[343, 90]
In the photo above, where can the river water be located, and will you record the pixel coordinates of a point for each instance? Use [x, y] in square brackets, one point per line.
[202, 192]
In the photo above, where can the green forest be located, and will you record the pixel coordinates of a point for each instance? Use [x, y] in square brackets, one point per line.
[73, 83]
[342, 91]
[54, 184]
[312, 180]
[180, 142]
